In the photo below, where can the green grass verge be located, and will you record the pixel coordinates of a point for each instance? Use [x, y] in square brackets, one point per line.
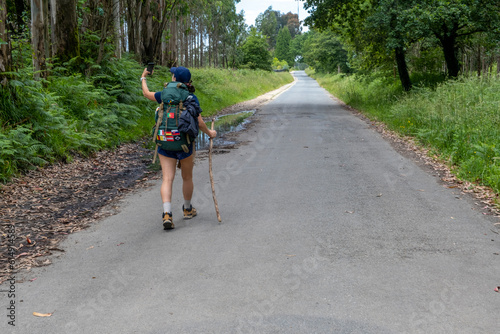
[458, 119]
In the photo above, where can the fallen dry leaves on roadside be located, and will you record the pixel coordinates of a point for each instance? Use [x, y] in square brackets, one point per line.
[48, 203]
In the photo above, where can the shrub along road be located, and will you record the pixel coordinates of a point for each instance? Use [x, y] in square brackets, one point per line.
[325, 229]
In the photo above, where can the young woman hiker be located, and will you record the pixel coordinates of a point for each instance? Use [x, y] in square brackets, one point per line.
[168, 159]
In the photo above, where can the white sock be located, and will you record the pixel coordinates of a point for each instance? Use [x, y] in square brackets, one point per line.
[187, 204]
[167, 207]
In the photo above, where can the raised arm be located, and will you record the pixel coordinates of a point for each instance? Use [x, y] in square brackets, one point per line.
[145, 89]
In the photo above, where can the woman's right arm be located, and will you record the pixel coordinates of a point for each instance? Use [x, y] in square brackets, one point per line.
[145, 90]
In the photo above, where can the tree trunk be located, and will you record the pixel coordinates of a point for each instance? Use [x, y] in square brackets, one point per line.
[108, 17]
[134, 26]
[146, 40]
[485, 62]
[65, 41]
[162, 35]
[479, 61]
[464, 62]
[131, 27]
[215, 49]
[185, 43]
[46, 30]
[37, 38]
[201, 44]
[209, 47]
[450, 54]
[117, 28]
[404, 76]
[173, 61]
[166, 17]
[5, 53]
[123, 33]
[498, 64]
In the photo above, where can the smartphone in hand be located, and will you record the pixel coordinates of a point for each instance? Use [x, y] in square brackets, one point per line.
[150, 68]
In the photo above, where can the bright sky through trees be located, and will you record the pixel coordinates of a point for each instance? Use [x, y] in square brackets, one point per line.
[253, 8]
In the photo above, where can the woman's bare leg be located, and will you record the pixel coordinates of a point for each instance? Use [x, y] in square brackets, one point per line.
[168, 173]
[187, 176]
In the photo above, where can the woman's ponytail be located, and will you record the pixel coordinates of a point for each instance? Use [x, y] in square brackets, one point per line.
[190, 87]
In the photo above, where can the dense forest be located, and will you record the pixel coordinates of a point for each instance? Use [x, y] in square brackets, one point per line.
[85, 34]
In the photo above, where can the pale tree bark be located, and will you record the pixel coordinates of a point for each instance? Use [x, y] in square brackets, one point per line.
[144, 32]
[46, 32]
[163, 40]
[37, 38]
[65, 41]
[172, 44]
[201, 42]
[185, 43]
[138, 27]
[117, 28]
[5, 54]
[149, 30]
[167, 11]
[124, 38]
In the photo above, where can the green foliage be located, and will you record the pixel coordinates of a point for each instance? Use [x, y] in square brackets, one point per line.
[459, 119]
[255, 54]
[267, 24]
[325, 52]
[373, 29]
[271, 22]
[217, 89]
[283, 42]
[280, 65]
[19, 151]
[47, 121]
[225, 23]
[297, 47]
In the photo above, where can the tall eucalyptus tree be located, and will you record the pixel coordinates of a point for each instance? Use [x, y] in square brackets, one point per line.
[64, 27]
[5, 53]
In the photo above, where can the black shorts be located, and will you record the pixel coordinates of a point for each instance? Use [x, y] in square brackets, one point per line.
[178, 155]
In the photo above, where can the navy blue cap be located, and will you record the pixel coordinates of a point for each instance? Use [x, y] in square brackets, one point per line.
[182, 74]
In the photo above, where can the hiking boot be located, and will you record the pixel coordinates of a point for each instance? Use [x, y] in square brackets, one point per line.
[188, 214]
[168, 223]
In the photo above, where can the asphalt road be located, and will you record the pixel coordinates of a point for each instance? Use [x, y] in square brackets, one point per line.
[325, 229]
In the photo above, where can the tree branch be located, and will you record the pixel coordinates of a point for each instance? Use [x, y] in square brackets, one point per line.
[471, 32]
[163, 24]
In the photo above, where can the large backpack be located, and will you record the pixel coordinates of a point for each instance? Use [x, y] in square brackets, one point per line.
[166, 132]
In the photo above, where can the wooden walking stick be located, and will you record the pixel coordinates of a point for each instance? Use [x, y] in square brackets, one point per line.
[211, 174]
